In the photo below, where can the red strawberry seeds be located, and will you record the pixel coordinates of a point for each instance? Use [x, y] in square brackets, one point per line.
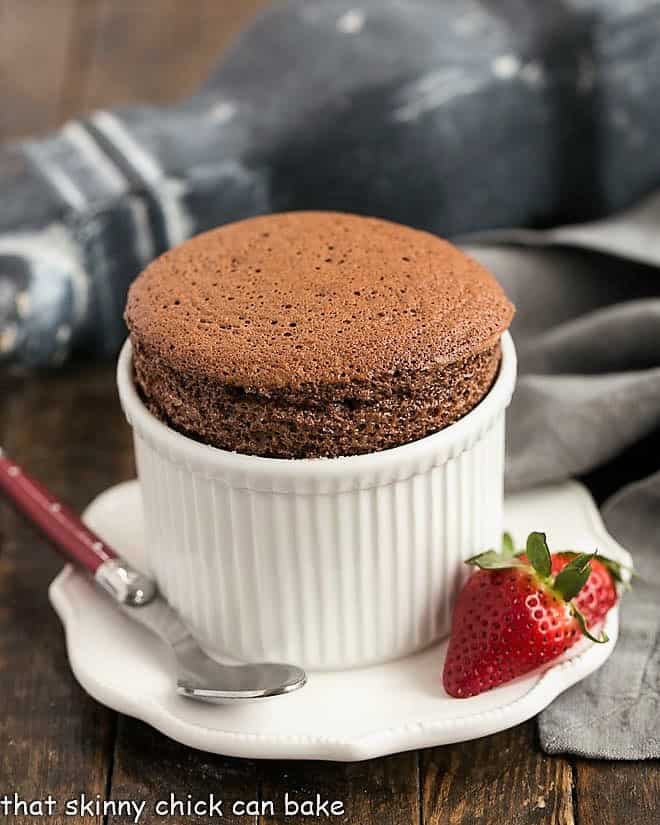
[520, 611]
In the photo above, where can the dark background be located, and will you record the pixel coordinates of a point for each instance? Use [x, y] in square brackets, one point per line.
[60, 58]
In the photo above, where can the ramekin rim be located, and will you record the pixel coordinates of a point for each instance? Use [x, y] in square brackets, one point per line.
[196, 452]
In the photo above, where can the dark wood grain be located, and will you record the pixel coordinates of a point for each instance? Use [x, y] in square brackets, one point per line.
[149, 767]
[383, 791]
[498, 780]
[617, 793]
[53, 738]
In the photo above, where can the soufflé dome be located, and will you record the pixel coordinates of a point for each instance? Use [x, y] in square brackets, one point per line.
[314, 334]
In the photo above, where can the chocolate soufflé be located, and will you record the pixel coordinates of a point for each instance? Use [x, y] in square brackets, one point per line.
[314, 334]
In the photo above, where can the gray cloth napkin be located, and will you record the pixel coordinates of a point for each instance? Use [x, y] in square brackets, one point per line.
[588, 336]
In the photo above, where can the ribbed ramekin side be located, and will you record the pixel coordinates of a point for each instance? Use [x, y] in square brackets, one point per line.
[327, 579]
[327, 564]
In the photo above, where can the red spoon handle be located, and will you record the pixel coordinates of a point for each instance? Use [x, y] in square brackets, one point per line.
[58, 523]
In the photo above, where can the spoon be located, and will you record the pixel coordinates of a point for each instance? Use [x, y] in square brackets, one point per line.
[198, 676]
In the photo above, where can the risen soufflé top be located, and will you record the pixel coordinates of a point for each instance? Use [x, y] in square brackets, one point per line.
[314, 334]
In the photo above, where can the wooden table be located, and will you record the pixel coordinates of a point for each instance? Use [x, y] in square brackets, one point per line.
[58, 58]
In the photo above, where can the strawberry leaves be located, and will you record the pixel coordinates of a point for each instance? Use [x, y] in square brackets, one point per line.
[573, 577]
[498, 560]
[494, 560]
[536, 558]
[539, 555]
[615, 568]
[569, 581]
[508, 546]
[536, 550]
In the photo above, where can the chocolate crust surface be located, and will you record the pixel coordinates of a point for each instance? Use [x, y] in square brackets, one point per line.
[314, 334]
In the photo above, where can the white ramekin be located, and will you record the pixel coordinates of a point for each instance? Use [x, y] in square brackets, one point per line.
[325, 563]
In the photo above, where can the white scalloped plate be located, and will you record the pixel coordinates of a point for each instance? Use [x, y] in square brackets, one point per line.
[343, 715]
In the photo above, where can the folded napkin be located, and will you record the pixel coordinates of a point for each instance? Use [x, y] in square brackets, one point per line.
[615, 713]
[452, 116]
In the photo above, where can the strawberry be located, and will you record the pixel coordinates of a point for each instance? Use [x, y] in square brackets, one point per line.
[520, 610]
